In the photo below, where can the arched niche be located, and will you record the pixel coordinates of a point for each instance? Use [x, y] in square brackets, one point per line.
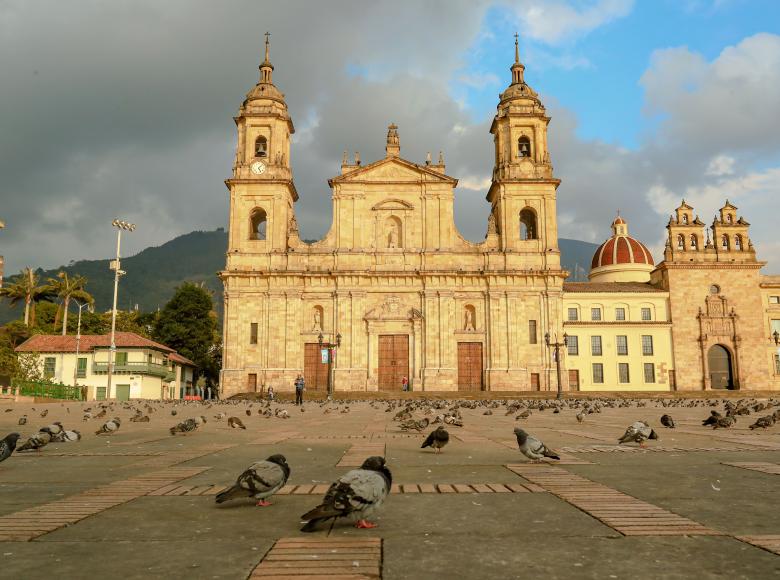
[528, 224]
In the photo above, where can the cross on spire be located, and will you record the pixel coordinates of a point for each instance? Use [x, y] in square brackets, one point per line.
[517, 49]
[267, 44]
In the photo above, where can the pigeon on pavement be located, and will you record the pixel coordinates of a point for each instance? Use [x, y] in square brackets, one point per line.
[667, 421]
[7, 445]
[437, 439]
[532, 448]
[357, 493]
[764, 422]
[714, 416]
[725, 422]
[261, 480]
[109, 427]
[187, 426]
[22, 420]
[235, 423]
[35, 442]
[638, 432]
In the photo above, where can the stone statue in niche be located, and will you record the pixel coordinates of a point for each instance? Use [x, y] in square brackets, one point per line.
[392, 235]
[468, 325]
[317, 326]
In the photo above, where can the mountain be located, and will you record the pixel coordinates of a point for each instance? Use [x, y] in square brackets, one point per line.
[155, 272]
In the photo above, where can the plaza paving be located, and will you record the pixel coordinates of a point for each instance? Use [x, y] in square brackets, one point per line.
[697, 503]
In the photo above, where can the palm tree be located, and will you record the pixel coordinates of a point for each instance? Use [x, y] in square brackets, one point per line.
[67, 289]
[26, 289]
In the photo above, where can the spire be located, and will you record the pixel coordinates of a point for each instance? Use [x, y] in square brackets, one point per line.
[393, 147]
[517, 68]
[266, 67]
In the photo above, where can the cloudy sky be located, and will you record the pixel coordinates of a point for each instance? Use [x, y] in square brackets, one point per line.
[124, 108]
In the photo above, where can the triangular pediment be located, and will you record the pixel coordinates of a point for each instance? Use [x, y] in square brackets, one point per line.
[392, 169]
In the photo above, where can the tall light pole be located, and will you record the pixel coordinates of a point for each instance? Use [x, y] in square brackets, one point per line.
[557, 353]
[78, 342]
[331, 346]
[128, 227]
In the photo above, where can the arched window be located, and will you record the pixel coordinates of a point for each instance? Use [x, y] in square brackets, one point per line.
[261, 147]
[729, 219]
[523, 147]
[258, 224]
[685, 218]
[680, 242]
[694, 242]
[738, 242]
[724, 242]
[528, 224]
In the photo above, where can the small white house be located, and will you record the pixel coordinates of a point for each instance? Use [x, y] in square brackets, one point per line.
[143, 369]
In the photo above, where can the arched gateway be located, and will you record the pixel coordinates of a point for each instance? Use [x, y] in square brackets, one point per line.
[720, 366]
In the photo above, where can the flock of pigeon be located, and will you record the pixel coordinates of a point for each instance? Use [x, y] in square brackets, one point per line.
[360, 492]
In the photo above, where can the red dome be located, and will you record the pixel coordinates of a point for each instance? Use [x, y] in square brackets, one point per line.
[621, 249]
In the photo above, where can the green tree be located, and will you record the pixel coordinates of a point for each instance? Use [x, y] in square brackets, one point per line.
[188, 325]
[68, 288]
[26, 289]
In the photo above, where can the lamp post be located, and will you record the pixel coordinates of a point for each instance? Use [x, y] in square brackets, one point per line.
[776, 337]
[331, 346]
[128, 227]
[78, 342]
[557, 354]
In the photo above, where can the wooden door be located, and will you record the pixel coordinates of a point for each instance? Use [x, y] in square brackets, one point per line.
[535, 381]
[393, 361]
[252, 383]
[123, 392]
[574, 380]
[469, 366]
[719, 361]
[315, 372]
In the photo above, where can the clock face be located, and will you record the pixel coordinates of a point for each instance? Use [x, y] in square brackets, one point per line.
[258, 167]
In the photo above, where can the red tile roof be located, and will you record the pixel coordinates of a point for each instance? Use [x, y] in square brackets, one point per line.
[67, 343]
[182, 360]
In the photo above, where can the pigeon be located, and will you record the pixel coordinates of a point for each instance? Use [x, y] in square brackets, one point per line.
[248, 413]
[187, 426]
[764, 422]
[667, 421]
[7, 445]
[44, 412]
[638, 432]
[532, 448]
[357, 493]
[524, 415]
[725, 422]
[109, 427]
[416, 425]
[22, 420]
[174, 412]
[235, 423]
[580, 417]
[261, 480]
[70, 436]
[35, 442]
[437, 439]
[714, 416]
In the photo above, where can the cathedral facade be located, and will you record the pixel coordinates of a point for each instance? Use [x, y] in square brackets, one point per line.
[394, 294]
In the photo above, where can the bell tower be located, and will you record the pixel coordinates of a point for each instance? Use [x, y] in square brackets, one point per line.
[262, 192]
[523, 190]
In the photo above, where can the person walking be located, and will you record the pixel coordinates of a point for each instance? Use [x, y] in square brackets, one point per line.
[271, 392]
[404, 384]
[300, 386]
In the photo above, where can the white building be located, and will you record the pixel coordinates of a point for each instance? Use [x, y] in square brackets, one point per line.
[143, 369]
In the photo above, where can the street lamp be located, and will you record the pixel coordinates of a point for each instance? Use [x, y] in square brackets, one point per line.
[557, 354]
[331, 346]
[776, 337]
[78, 341]
[128, 227]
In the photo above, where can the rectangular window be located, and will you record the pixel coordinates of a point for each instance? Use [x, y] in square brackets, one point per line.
[120, 359]
[649, 373]
[777, 364]
[253, 333]
[595, 345]
[620, 313]
[100, 393]
[574, 314]
[621, 343]
[647, 345]
[646, 314]
[573, 344]
[623, 372]
[81, 368]
[598, 373]
[532, 331]
[595, 313]
[775, 327]
[774, 299]
[49, 366]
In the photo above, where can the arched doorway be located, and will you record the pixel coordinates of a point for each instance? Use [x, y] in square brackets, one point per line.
[719, 363]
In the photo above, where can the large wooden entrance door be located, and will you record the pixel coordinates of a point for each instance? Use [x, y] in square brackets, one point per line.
[719, 361]
[469, 366]
[574, 380]
[393, 361]
[315, 372]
